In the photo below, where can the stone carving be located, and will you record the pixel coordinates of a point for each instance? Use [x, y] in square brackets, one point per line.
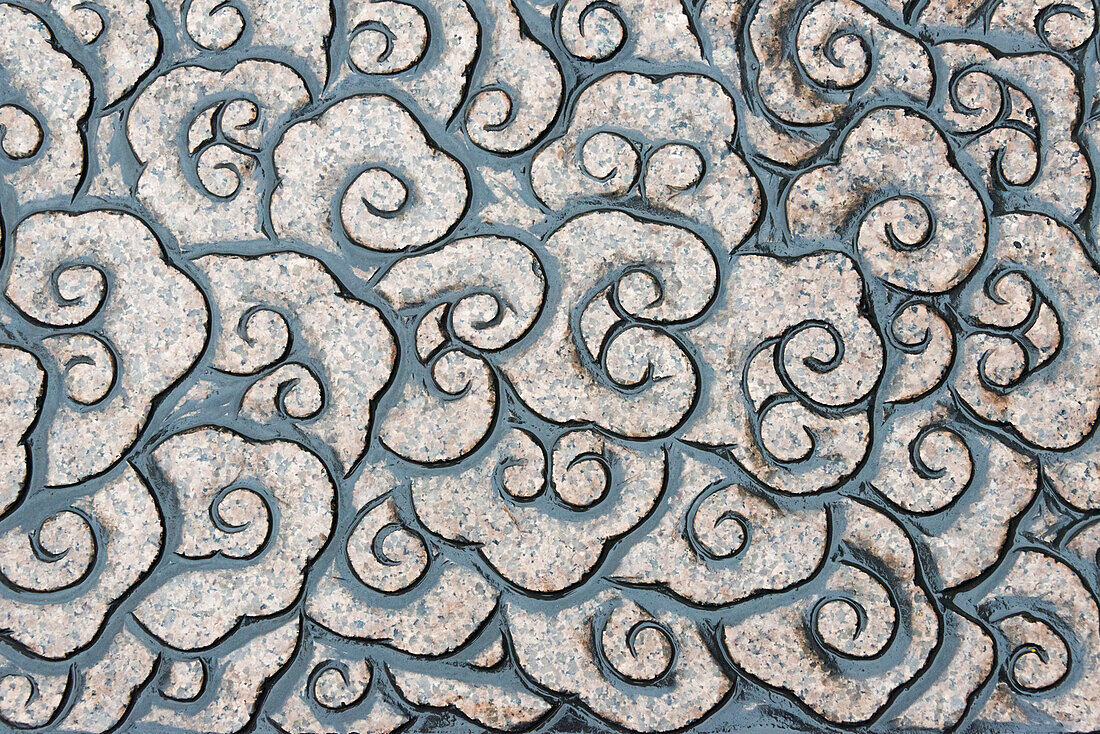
[549, 365]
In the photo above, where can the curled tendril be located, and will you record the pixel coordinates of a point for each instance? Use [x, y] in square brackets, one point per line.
[245, 511]
[383, 553]
[582, 476]
[80, 288]
[1013, 290]
[89, 364]
[1014, 305]
[980, 81]
[617, 358]
[222, 145]
[802, 336]
[844, 45]
[1000, 177]
[26, 703]
[491, 110]
[520, 475]
[59, 554]
[609, 158]
[473, 319]
[671, 169]
[594, 31]
[726, 537]
[830, 603]
[215, 24]
[925, 227]
[330, 685]
[910, 314]
[292, 392]
[615, 660]
[370, 29]
[375, 47]
[265, 337]
[840, 623]
[1048, 13]
[920, 447]
[783, 410]
[1041, 659]
[92, 22]
[1012, 354]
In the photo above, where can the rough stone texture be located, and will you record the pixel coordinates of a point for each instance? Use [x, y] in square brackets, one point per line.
[549, 365]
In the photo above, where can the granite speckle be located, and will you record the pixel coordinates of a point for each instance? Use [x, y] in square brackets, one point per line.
[549, 365]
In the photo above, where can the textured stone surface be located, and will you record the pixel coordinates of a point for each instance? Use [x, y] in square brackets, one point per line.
[549, 365]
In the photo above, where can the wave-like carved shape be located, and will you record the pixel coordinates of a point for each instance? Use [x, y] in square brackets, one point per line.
[276, 309]
[640, 365]
[144, 323]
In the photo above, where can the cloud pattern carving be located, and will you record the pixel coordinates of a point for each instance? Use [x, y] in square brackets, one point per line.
[552, 365]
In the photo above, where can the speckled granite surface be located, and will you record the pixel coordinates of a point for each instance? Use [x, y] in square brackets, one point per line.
[554, 365]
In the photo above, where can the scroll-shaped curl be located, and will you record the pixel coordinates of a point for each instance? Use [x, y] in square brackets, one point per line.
[444, 413]
[816, 57]
[266, 507]
[597, 30]
[494, 286]
[1017, 116]
[607, 353]
[28, 700]
[963, 489]
[46, 98]
[57, 555]
[198, 134]
[1050, 628]
[117, 529]
[810, 64]
[921, 225]
[326, 689]
[88, 364]
[212, 24]
[91, 697]
[520, 89]
[924, 464]
[427, 50]
[383, 553]
[667, 140]
[846, 642]
[795, 362]
[489, 291]
[265, 304]
[290, 392]
[1058, 24]
[20, 133]
[387, 38]
[925, 348]
[601, 491]
[120, 36]
[149, 320]
[395, 586]
[241, 670]
[299, 27]
[629, 666]
[1031, 361]
[364, 173]
[717, 543]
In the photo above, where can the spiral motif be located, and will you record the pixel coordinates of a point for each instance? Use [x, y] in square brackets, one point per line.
[382, 366]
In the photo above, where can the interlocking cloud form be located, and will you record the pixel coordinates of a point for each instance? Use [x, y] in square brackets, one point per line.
[568, 365]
